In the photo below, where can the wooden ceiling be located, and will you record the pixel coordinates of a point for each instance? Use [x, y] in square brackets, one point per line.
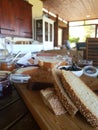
[73, 10]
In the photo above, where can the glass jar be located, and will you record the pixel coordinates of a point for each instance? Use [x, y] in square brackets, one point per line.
[5, 85]
[7, 66]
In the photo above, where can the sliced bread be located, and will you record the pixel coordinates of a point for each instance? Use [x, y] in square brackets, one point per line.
[63, 96]
[83, 97]
[51, 100]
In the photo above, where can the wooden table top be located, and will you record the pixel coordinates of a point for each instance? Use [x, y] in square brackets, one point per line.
[44, 116]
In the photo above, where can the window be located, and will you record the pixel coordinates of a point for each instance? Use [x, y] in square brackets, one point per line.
[82, 32]
[83, 29]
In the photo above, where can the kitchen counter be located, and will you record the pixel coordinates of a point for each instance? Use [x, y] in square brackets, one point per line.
[44, 116]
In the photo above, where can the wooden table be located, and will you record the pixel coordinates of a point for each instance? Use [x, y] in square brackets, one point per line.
[14, 114]
[43, 115]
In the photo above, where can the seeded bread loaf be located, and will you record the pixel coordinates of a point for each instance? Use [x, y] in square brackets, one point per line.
[83, 97]
[63, 96]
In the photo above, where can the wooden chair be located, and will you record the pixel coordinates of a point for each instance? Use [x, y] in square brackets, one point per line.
[80, 48]
[92, 50]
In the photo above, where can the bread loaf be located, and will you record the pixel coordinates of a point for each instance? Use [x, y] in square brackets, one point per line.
[37, 74]
[51, 100]
[83, 97]
[63, 96]
[47, 63]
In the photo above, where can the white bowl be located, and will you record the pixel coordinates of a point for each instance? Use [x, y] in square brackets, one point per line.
[77, 72]
[90, 71]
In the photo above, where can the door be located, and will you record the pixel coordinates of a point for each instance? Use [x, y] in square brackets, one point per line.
[48, 31]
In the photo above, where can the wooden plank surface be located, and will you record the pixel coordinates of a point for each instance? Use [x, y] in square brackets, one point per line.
[26, 123]
[14, 114]
[44, 116]
[10, 99]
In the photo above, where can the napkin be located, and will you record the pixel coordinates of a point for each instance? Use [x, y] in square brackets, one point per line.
[24, 60]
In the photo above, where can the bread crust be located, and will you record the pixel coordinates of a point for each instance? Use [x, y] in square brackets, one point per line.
[89, 115]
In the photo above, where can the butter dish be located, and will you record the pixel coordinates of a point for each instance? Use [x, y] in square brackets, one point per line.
[19, 78]
[90, 71]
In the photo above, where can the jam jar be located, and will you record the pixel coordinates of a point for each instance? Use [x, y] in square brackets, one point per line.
[5, 85]
[7, 66]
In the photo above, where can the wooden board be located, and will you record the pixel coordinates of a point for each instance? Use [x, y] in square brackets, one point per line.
[45, 118]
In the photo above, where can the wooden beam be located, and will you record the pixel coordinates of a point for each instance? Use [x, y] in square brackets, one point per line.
[56, 32]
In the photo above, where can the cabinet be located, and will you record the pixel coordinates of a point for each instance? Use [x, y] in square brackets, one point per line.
[23, 19]
[16, 18]
[7, 17]
[0, 15]
[44, 32]
[28, 20]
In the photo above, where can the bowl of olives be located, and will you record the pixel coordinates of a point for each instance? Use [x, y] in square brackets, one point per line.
[74, 68]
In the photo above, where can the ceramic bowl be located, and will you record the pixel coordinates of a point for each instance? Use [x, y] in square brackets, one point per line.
[77, 72]
[90, 71]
